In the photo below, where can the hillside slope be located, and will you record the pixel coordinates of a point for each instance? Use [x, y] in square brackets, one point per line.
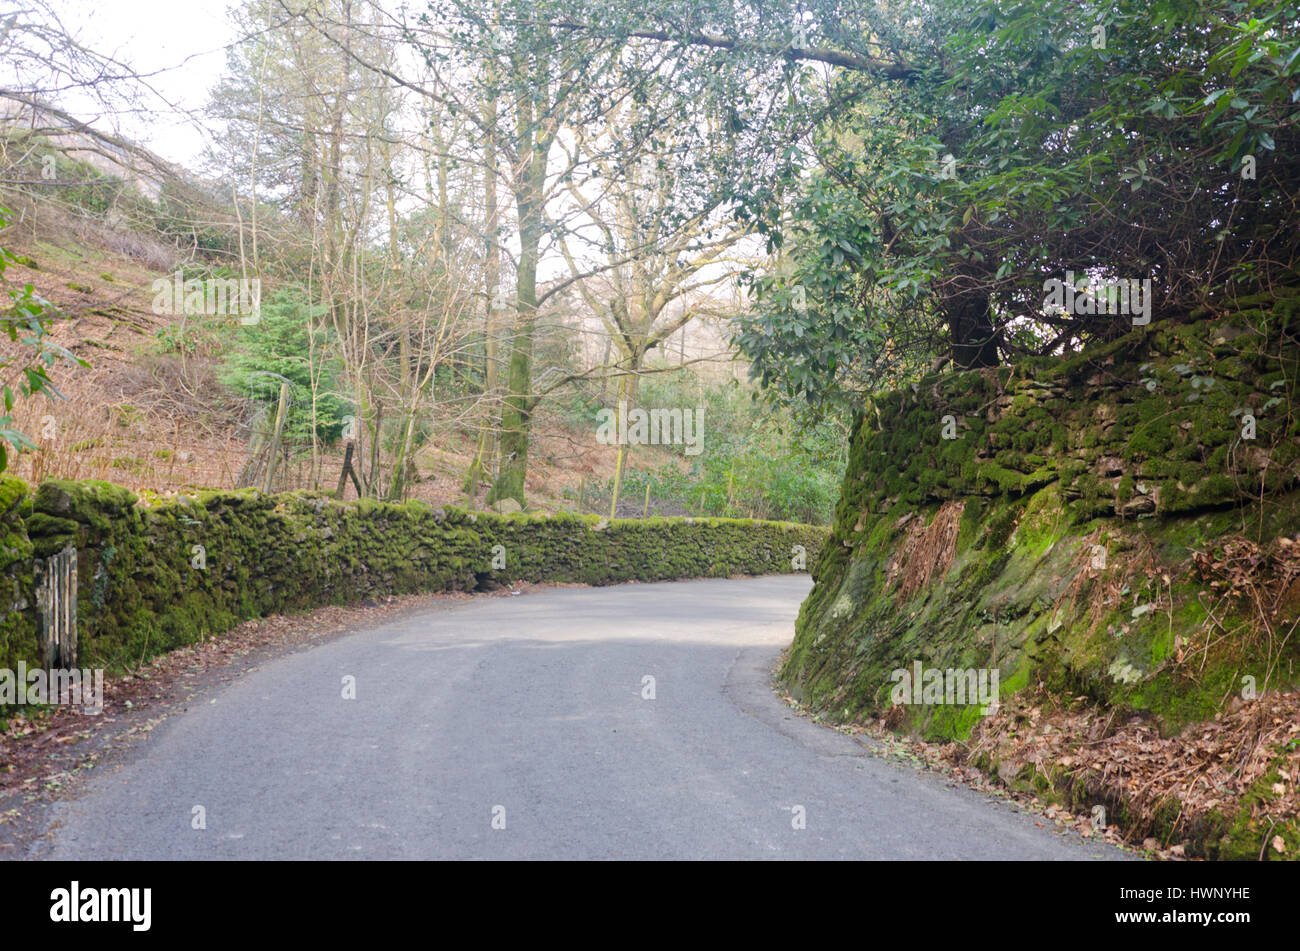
[149, 413]
[1103, 533]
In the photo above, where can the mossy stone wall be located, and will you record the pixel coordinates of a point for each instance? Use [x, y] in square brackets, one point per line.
[1054, 533]
[154, 578]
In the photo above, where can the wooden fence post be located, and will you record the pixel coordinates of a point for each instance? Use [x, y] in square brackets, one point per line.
[280, 415]
[57, 600]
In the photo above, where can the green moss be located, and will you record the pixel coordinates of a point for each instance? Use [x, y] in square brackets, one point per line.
[1133, 440]
[1247, 835]
[12, 491]
[952, 722]
[144, 587]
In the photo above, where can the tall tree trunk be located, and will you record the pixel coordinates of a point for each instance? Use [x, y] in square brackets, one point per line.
[627, 387]
[517, 408]
[482, 466]
[402, 465]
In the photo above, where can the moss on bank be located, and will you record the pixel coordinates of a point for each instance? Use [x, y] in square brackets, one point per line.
[1071, 536]
[1085, 487]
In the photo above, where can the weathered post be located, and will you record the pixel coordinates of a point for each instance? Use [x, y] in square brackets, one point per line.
[280, 414]
[57, 596]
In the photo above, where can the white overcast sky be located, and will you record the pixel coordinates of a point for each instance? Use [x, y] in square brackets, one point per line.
[180, 44]
[184, 39]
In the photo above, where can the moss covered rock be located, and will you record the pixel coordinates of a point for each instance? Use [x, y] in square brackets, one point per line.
[153, 578]
[1042, 520]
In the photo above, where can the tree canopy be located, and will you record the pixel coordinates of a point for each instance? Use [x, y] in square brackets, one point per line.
[925, 171]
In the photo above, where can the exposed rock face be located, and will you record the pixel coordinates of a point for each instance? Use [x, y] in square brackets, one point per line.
[1043, 519]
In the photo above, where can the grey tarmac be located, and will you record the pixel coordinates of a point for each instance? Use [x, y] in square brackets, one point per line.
[519, 728]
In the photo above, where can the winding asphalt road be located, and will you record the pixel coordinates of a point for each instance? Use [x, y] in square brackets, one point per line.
[531, 713]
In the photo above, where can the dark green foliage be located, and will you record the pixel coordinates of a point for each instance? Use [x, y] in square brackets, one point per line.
[1137, 139]
[289, 344]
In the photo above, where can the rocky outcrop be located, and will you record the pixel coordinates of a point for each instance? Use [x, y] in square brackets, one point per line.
[1067, 522]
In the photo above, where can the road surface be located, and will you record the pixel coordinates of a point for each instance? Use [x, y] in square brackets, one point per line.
[522, 728]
